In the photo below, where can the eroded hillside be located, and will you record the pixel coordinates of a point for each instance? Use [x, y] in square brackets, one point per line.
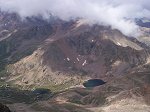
[60, 56]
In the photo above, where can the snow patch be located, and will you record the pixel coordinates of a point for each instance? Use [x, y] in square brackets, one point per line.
[68, 59]
[85, 62]
[118, 44]
[81, 22]
[78, 59]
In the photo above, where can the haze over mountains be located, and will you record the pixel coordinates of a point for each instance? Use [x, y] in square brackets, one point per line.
[115, 13]
[51, 50]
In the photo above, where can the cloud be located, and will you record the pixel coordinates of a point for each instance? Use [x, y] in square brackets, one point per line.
[119, 14]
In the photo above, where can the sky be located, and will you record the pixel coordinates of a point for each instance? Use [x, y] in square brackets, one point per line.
[119, 14]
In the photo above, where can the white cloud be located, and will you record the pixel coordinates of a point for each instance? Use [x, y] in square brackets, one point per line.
[115, 13]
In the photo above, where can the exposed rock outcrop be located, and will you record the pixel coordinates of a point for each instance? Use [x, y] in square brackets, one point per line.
[4, 108]
[73, 54]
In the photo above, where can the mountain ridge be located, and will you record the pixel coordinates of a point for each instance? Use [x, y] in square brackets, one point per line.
[60, 56]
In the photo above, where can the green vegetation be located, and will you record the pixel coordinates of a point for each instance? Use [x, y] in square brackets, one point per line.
[73, 108]
[76, 100]
[83, 92]
[95, 99]
[60, 87]
[54, 107]
[13, 95]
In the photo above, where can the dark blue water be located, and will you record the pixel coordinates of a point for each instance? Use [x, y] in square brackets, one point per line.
[93, 83]
[42, 91]
[10, 95]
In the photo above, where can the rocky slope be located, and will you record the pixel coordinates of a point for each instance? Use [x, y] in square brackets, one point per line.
[60, 56]
[76, 53]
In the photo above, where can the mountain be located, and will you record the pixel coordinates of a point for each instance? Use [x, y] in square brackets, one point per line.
[50, 60]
